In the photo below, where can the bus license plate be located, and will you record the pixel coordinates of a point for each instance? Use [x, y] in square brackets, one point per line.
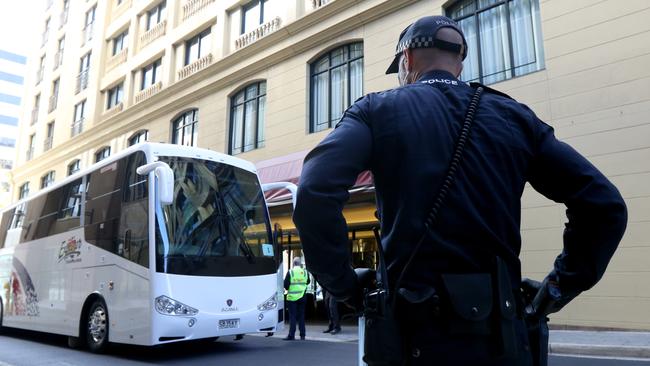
[228, 323]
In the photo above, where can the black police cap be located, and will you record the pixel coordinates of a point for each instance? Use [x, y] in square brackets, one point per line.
[422, 34]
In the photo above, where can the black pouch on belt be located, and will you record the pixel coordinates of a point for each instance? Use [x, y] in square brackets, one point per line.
[506, 310]
[469, 303]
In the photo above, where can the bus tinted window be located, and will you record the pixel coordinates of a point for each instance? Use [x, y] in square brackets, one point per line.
[117, 209]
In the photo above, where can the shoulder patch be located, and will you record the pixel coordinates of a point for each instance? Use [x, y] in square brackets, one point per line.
[489, 90]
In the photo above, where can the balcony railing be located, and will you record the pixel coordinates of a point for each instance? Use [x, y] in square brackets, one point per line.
[29, 154]
[53, 101]
[259, 32]
[63, 18]
[114, 110]
[58, 59]
[117, 59]
[318, 3]
[195, 66]
[192, 7]
[148, 92]
[121, 9]
[77, 127]
[48, 143]
[82, 81]
[87, 34]
[34, 115]
[152, 34]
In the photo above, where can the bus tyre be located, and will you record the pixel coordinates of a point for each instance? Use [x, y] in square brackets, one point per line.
[97, 327]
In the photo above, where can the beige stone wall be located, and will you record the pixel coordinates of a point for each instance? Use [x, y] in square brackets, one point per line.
[595, 90]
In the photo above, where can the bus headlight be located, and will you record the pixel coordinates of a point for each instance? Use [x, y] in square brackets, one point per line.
[168, 306]
[270, 304]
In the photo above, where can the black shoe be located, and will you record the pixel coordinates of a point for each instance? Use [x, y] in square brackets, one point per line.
[335, 331]
[288, 338]
[328, 330]
[302, 337]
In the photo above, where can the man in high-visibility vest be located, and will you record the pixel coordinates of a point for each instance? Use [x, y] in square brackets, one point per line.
[295, 282]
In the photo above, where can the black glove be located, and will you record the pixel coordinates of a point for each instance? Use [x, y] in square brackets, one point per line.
[543, 298]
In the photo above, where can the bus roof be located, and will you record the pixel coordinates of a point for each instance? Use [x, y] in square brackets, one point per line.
[152, 150]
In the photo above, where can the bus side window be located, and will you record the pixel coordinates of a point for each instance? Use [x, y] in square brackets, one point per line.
[103, 204]
[134, 219]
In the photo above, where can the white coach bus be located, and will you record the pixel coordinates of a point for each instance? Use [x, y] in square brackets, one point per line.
[159, 243]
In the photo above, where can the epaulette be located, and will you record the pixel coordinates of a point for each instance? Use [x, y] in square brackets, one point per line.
[489, 90]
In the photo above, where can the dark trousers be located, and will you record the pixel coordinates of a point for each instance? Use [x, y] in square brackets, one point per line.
[297, 313]
[332, 308]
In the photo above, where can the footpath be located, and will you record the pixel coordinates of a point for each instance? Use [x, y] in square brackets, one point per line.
[626, 344]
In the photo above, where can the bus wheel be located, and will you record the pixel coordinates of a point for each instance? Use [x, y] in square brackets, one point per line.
[97, 327]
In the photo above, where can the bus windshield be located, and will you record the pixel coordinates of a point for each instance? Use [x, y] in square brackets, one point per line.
[217, 224]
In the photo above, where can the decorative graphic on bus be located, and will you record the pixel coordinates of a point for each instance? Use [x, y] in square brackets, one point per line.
[23, 299]
[70, 250]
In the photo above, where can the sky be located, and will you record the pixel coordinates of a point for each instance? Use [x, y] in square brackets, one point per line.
[20, 25]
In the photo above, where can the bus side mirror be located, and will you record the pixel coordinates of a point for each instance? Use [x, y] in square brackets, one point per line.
[283, 185]
[165, 180]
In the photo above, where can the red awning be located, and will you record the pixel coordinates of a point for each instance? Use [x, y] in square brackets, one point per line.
[287, 168]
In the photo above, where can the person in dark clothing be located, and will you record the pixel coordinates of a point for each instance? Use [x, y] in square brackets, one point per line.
[405, 137]
[332, 309]
[295, 282]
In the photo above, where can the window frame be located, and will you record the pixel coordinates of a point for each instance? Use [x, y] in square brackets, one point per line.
[511, 72]
[47, 179]
[313, 74]
[154, 67]
[74, 167]
[180, 122]
[120, 42]
[257, 143]
[157, 12]
[138, 137]
[102, 153]
[197, 39]
[115, 96]
[23, 191]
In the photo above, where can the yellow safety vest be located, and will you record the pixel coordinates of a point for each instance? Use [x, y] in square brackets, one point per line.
[298, 284]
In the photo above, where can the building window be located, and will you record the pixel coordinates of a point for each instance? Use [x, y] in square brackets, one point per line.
[64, 13]
[503, 37]
[46, 32]
[90, 17]
[74, 167]
[102, 154]
[120, 42]
[151, 74]
[184, 128]
[58, 58]
[47, 180]
[138, 137]
[197, 46]
[31, 146]
[24, 191]
[257, 12]
[55, 95]
[82, 78]
[156, 15]
[247, 118]
[336, 82]
[114, 96]
[79, 116]
[49, 138]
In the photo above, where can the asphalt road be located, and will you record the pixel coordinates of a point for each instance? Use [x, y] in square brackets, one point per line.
[18, 348]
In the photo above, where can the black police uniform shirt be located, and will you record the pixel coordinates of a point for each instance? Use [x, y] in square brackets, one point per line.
[406, 136]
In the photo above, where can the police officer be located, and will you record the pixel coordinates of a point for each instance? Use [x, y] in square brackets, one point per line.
[405, 137]
[295, 282]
